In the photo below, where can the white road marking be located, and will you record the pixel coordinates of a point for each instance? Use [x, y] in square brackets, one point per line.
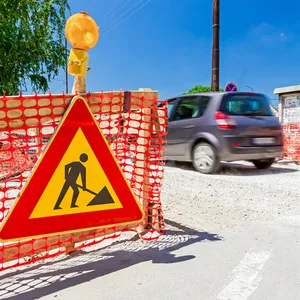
[246, 277]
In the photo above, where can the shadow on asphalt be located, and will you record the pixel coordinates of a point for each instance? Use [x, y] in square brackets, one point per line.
[45, 279]
[236, 169]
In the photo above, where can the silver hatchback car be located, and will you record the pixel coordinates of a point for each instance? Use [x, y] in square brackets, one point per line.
[212, 127]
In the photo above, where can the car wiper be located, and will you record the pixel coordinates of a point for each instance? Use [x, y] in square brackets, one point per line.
[254, 113]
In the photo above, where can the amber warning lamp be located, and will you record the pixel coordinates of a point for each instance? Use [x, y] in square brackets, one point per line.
[82, 33]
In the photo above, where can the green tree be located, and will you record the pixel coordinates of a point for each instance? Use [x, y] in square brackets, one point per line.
[32, 48]
[200, 89]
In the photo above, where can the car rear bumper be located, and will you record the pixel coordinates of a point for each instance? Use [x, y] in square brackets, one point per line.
[252, 153]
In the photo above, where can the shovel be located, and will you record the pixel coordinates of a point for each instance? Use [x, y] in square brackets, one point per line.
[103, 197]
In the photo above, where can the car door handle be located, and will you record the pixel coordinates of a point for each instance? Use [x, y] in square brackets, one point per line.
[189, 127]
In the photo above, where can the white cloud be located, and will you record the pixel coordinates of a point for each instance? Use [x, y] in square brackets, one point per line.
[268, 34]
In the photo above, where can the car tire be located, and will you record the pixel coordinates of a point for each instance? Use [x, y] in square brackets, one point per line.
[263, 164]
[205, 159]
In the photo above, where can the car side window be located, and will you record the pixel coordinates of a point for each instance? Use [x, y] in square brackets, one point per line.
[171, 106]
[203, 102]
[188, 108]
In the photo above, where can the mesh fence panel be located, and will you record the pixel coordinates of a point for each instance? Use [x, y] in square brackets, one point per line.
[135, 128]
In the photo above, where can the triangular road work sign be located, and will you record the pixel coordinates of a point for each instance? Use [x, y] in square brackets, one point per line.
[76, 185]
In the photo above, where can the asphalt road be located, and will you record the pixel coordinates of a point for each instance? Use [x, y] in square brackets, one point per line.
[233, 236]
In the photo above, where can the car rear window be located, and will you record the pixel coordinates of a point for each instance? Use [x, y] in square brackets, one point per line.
[245, 105]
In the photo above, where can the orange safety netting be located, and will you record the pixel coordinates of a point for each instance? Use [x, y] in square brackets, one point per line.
[291, 141]
[135, 128]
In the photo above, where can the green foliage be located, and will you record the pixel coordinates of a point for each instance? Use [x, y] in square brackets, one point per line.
[200, 89]
[32, 47]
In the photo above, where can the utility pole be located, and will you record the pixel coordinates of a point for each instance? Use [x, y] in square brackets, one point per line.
[66, 67]
[215, 76]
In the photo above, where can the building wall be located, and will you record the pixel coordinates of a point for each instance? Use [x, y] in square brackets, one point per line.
[289, 113]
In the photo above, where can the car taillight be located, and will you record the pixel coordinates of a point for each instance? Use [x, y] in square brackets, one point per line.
[224, 121]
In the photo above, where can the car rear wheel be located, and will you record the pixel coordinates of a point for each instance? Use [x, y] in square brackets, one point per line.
[205, 159]
[263, 164]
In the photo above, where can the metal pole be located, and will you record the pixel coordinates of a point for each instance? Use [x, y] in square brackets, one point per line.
[66, 68]
[216, 48]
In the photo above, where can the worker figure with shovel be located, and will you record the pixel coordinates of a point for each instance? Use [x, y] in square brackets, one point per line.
[72, 172]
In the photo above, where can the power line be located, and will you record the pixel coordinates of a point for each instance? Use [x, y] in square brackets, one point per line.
[114, 7]
[126, 11]
[133, 13]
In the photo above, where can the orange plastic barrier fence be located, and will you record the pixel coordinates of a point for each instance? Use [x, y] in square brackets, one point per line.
[135, 128]
[291, 141]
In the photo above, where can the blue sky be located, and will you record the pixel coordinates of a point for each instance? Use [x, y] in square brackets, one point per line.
[166, 45]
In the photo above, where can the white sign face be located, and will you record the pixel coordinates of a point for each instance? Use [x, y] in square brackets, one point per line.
[291, 109]
[292, 101]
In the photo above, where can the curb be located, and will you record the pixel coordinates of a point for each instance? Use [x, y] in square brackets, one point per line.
[287, 161]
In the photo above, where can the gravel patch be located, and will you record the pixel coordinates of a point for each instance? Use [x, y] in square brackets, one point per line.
[239, 194]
